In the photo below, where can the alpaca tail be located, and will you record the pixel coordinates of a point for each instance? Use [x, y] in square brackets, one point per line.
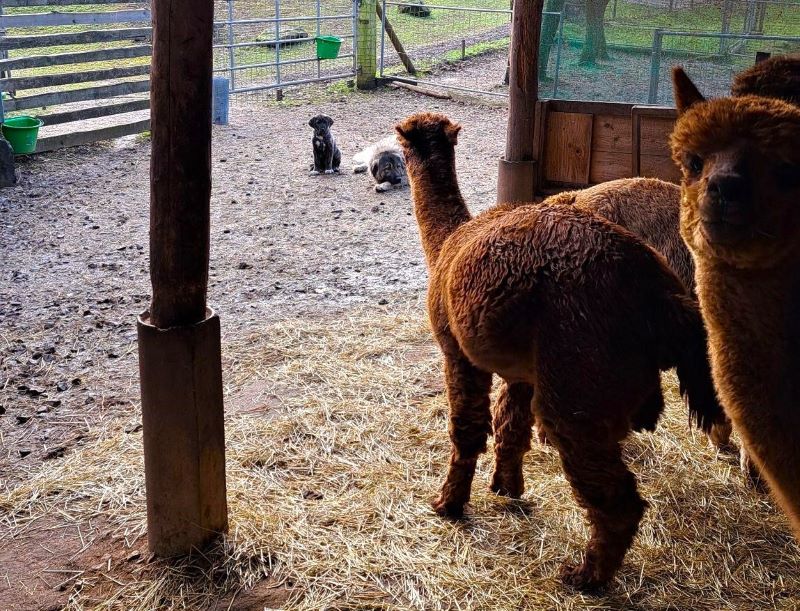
[694, 369]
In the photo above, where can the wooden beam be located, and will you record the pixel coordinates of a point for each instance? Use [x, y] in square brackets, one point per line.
[523, 87]
[366, 41]
[54, 143]
[35, 20]
[10, 43]
[59, 59]
[398, 46]
[25, 3]
[179, 339]
[76, 95]
[56, 80]
[56, 118]
[517, 172]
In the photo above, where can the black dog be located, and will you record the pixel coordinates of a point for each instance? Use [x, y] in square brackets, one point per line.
[327, 156]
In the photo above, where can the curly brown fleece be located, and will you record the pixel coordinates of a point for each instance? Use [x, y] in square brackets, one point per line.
[778, 77]
[740, 218]
[575, 314]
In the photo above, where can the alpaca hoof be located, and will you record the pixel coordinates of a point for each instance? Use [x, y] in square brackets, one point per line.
[329, 171]
[752, 477]
[508, 484]
[448, 509]
[582, 578]
[540, 434]
[720, 437]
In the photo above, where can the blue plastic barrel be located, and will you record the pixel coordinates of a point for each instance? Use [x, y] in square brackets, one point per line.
[219, 100]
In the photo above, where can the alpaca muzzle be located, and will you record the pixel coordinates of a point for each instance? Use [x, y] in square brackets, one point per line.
[726, 209]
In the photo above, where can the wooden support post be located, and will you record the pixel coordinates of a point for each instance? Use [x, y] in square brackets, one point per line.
[366, 39]
[516, 178]
[179, 338]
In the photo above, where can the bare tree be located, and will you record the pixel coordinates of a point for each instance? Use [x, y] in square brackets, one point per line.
[594, 46]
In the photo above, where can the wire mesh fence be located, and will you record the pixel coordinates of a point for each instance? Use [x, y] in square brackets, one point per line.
[271, 44]
[463, 44]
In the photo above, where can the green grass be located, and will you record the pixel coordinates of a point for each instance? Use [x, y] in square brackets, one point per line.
[634, 24]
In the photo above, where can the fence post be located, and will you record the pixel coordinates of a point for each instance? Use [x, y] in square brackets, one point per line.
[655, 65]
[231, 50]
[366, 37]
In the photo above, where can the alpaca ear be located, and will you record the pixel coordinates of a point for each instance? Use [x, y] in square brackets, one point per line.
[451, 131]
[403, 132]
[686, 92]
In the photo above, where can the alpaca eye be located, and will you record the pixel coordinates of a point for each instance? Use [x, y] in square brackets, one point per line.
[695, 165]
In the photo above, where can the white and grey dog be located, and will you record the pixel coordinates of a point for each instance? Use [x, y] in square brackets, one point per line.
[385, 163]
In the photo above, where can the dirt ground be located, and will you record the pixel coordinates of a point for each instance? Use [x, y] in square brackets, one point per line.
[74, 247]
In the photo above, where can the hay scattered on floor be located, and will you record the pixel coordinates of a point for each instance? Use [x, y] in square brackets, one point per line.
[329, 495]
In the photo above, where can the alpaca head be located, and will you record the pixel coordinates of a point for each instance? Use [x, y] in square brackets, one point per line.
[777, 77]
[426, 136]
[740, 162]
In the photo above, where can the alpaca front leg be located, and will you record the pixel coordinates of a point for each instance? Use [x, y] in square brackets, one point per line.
[470, 424]
[512, 422]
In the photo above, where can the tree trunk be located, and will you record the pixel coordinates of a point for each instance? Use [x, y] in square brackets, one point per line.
[549, 31]
[594, 47]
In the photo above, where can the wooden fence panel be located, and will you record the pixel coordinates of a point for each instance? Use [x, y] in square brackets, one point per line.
[585, 143]
[115, 79]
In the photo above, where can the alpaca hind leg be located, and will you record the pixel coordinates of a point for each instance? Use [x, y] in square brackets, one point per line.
[604, 486]
[470, 424]
[513, 418]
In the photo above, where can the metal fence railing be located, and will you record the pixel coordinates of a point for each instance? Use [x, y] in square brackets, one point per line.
[263, 45]
[457, 47]
[711, 59]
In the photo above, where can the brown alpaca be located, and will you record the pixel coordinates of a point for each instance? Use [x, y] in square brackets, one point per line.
[575, 314]
[741, 219]
[649, 208]
[778, 77]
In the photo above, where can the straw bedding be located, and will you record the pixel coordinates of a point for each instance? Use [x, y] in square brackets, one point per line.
[329, 486]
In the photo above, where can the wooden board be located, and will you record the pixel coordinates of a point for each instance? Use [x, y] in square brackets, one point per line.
[15, 3]
[52, 143]
[76, 95]
[654, 136]
[69, 78]
[37, 20]
[567, 150]
[611, 133]
[607, 166]
[56, 118]
[657, 166]
[59, 59]
[75, 38]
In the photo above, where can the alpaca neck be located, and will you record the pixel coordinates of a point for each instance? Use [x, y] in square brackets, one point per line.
[753, 320]
[438, 204]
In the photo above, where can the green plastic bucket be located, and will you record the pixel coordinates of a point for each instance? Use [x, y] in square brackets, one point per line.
[328, 47]
[21, 133]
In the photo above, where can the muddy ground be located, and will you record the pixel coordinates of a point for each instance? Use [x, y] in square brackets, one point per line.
[74, 251]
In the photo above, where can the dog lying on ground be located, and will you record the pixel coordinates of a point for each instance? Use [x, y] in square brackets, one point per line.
[327, 156]
[385, 162]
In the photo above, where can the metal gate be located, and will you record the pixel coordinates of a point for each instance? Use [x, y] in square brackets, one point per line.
[266, 44]
[460, 48]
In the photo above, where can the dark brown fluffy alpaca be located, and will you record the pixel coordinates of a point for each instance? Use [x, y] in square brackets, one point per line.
[740, 216]
[649, 208]
[564, 306]
[778, 77]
